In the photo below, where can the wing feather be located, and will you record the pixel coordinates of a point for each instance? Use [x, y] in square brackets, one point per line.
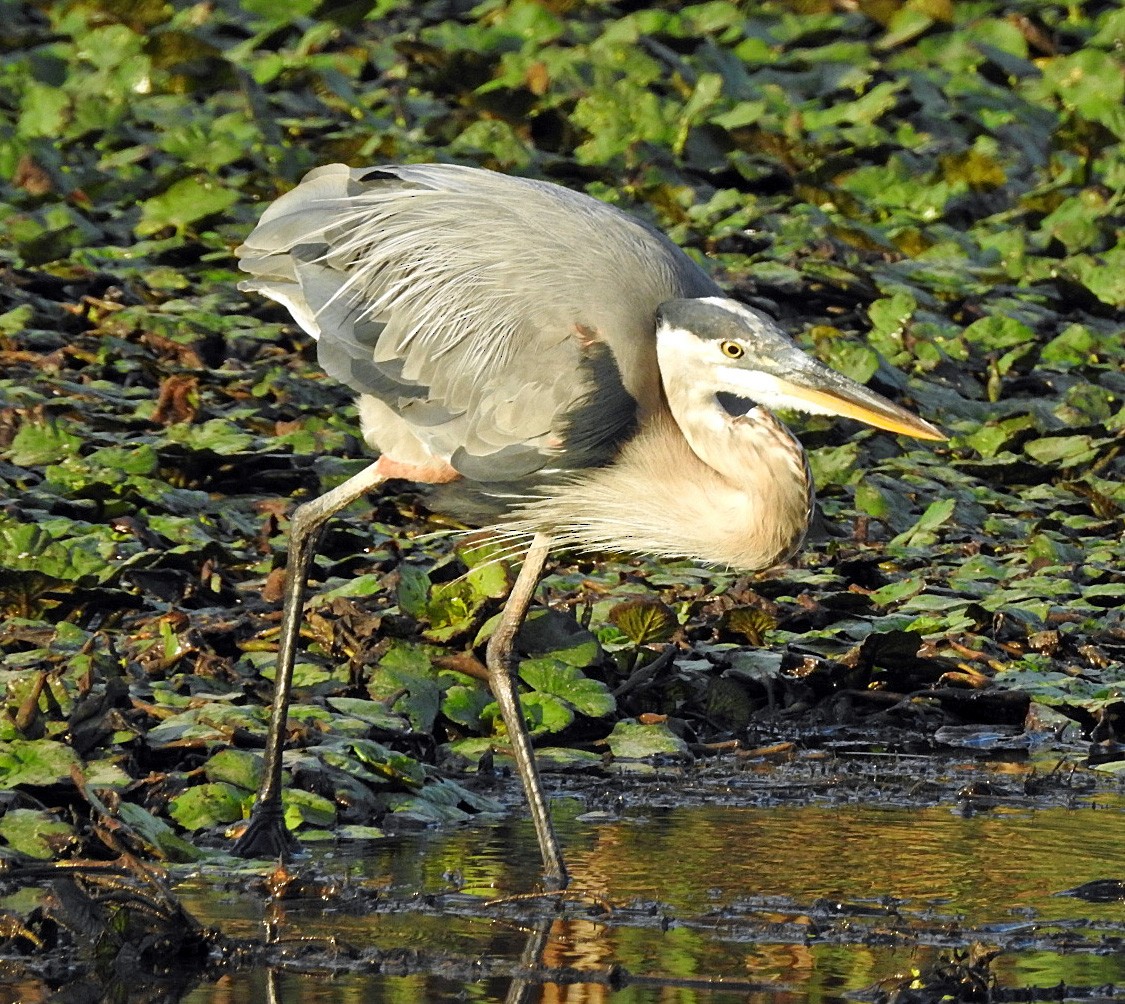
[509, 323]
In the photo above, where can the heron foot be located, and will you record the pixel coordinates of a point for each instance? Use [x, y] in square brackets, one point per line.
[266, 835]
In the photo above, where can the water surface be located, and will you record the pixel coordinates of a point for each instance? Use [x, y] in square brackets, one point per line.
[812, 901]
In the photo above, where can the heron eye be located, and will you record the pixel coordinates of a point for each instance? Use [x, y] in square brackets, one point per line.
[732, 350]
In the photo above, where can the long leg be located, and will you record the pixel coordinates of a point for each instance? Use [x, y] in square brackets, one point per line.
[266, 834]
[504, 690]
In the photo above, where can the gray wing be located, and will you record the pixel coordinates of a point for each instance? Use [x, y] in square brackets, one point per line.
[508, 322]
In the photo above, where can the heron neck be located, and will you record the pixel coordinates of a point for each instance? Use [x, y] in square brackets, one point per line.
[661, 497]
[754, 453]
[694, 482]
[744, 449]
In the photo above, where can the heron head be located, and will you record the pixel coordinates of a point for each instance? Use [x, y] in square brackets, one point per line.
[726, 347]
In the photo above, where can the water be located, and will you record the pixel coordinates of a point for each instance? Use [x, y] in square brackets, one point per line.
[815, 902]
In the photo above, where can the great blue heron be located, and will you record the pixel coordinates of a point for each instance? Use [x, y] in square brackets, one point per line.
[556, 369]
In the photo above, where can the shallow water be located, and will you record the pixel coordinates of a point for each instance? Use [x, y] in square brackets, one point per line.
[815, 902]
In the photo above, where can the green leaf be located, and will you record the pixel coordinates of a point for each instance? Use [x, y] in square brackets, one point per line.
[889, 318]
[993, 437]
[216, 436]
[1089, 81]
[413, 694]
[193, 724]
[37, 833]
[1104, 276]
[560, 758]
[644, 621]
[464, 705]
[427, 812]
[856, 361]
[552, 632]
[924, 532]
[868, 108]
[495, 137]
[869, 499]
[212, 144]
[1061, 451]
[1107, 594]
[998, 332]
[269, 13]
[446, 791]
[745, 113]
[241, 768]
[140, 460]
[186, 201]
[43, 111]
[1052, 688]
[355, 831]
[553, 676]
[29, 547]
[755, 665]
[834, 465]
[473, 748]
[1074, 222]
[13, 321]
[305, 807]
[413, 590]
[708, 88]
[618, 117]
[162, 841]
[453, 607]
[207, 805]
[35, 763]
[372, 712]
[906, 24]
[896, 592]
[43, 442]
[367, 759]
[490, 579]
[630, 740]
[545, 713]
[106, 773]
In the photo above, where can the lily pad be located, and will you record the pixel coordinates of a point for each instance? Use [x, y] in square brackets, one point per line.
[551, 632]
[37, 833]
[644, 622]
[553, 676]
[186, 201]
[36, 763]
[370, 760]
[631, 740]
[924, 532]
[464, 705]
[207, 805]
[544, 713]
[372, 712]
[306, 807]
[161, 840]
[241, 768]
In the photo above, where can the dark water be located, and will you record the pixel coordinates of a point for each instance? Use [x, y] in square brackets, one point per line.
[817, 901]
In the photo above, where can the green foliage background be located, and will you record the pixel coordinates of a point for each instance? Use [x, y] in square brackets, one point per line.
[928, 194]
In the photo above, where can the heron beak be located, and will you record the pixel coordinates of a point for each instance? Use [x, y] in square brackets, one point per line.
[769, 370]
[823, 391]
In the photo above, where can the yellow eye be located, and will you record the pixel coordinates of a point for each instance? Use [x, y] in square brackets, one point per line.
[732, 350]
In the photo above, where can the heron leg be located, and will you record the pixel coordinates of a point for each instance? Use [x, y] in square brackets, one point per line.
[266, 834]
[504, 690]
